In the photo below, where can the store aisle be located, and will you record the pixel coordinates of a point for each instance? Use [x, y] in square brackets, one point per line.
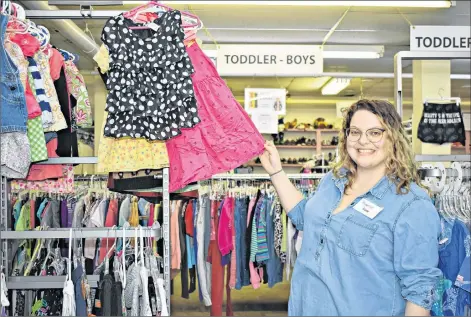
[246, 302]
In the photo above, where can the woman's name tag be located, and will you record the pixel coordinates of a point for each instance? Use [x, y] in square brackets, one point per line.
[368, 208]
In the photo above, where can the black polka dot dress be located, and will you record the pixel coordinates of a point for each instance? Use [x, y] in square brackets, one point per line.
[151, 92]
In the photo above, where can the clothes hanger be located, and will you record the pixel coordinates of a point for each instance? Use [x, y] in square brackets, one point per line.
[123, 276]
[16, 25]
[68, 306]
[68, 57]
[36, 252]
[155, 6]
[443, 99]
[4, 302]
[6, 7]
[107, 261]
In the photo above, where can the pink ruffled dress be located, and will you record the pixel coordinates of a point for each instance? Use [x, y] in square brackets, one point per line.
[224, 139]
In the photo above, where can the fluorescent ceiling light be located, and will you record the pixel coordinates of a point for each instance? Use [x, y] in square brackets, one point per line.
[335, 86]
[403, 4]
[353, 51]
[319, 82]
[353, 54]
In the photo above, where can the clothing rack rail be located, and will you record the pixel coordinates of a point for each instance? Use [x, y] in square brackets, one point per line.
[442, 158]
[78, 233]
[450, 172]
[263, 176]
[6, 236]
[44, 282]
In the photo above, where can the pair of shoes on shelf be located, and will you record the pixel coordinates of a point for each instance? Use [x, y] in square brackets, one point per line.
[278, 138]
[320, 123]
[291, 125]
[335, 141]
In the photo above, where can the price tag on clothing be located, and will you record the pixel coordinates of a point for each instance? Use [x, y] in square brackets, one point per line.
[368, 208]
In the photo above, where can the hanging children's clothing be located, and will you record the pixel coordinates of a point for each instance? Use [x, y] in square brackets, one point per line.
[453, 292]
[130, 155]
[226, 137]
[150, 88]
[13, 117]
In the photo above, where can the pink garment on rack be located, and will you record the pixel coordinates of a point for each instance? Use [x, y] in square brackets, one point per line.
[250, 209]
[62, 185]
[28, 43]
[254, 275]
[39, 172]
[224, 139]
[56, 61]
[233, 265]
[225, 227]
[176, 258]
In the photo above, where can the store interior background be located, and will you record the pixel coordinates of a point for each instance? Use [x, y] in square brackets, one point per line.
[250, 24]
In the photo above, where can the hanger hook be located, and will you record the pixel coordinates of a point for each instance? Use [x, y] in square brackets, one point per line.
[440, 91]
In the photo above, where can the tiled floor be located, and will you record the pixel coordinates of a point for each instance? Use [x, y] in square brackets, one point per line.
[245, 302]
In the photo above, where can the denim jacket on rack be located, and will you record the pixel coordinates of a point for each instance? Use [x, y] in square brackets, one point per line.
[13, 114]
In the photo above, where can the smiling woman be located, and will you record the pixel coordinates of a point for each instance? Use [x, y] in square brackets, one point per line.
[370, 233]
[374, 138]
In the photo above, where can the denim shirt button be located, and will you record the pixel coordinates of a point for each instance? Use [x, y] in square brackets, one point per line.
[12, 88]
[322, 241]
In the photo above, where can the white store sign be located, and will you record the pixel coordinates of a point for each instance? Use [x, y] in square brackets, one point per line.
[440, 38]
[269, 60]
[258, 100]
[266, 123]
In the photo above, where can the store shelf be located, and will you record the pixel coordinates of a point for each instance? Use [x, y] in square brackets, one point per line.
[44, 282]
[77, 233]
[298, 130]
[310, 147]
[329, 147]
[315, 130]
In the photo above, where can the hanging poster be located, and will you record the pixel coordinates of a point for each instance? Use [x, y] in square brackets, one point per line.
[258, 100]
[266, 122]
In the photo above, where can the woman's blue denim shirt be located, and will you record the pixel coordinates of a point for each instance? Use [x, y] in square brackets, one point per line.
[350, 264]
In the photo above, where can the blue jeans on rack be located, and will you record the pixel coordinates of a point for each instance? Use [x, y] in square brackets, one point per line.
[240, 217]
[13, 113]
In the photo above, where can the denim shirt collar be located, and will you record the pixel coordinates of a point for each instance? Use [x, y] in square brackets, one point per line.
[379, 190]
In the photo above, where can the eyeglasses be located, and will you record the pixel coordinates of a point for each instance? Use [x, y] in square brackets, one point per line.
[374, 135]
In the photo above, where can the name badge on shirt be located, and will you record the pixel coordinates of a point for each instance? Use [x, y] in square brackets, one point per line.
[368, 208]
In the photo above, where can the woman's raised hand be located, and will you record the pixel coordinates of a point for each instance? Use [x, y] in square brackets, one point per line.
[270, 159]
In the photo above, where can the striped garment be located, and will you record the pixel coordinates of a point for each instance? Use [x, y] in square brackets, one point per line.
[253, 240]
[262, 249]
[37, 86]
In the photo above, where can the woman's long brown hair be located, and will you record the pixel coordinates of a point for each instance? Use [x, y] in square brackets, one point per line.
[400, 164]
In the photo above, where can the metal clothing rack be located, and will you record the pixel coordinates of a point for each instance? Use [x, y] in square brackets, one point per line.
[442, 158]
[263, 176]
[450, 172]
[32, 282]
[407, 55]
